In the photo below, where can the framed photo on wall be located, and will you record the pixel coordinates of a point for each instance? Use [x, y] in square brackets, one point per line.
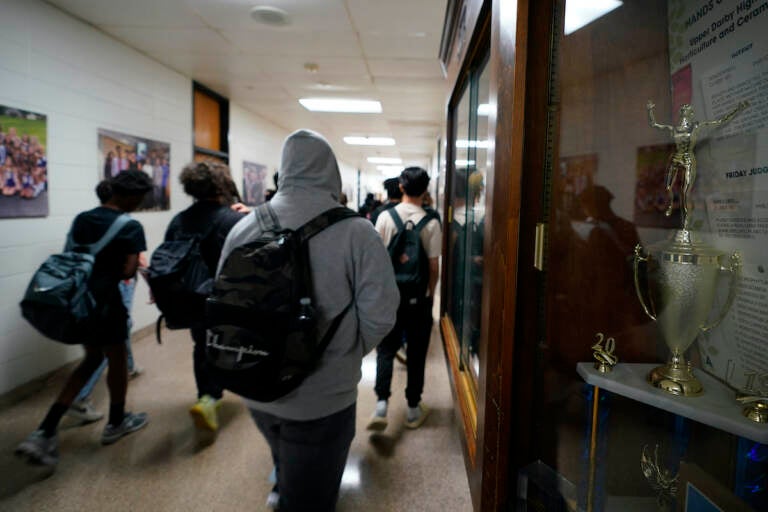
[23, 163]
[122, 152]
[254, 183]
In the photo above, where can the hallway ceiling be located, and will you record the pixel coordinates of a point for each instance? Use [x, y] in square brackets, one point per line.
[382, 50]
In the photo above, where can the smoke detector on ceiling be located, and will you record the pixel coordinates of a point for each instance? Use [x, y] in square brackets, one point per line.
[269, 15]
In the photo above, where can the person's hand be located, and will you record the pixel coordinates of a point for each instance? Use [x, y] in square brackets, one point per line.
[650, 105]
[241, 208]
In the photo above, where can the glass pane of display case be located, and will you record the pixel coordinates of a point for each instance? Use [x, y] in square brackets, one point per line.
[477, 155]
[457, 243]
[657, 212]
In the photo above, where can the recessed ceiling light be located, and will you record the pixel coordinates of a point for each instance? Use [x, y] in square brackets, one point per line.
[268, 15]
[484, 109]
[384, 160]
[369, 141]
[388, 169]
[579, 13]
[341, 105]
[465, 163]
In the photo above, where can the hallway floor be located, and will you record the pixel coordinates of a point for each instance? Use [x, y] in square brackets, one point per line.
[169, 466]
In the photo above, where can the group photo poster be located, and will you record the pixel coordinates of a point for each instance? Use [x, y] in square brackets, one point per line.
[122, 152]
[23, 163]
[254, 183]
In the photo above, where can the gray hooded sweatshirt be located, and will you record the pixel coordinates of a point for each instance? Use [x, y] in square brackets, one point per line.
[349, 265]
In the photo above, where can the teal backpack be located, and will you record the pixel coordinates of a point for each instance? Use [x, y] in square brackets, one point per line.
[58, 302]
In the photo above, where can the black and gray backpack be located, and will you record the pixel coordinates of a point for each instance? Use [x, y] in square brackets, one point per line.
[409, 259]
[263, 338]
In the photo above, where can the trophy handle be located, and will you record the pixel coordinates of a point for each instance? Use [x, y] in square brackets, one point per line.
[735, 269]
[638, 258]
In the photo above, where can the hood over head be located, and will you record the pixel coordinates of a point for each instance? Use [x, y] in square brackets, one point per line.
[308, 165]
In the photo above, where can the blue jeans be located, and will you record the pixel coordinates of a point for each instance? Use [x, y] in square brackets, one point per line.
[127, 288]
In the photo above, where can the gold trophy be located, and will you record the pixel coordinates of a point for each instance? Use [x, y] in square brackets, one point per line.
[682, 272]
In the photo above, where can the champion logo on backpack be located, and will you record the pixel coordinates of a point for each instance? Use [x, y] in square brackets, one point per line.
[263, 336]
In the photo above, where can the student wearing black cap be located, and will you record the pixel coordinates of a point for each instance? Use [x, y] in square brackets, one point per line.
[106, 338]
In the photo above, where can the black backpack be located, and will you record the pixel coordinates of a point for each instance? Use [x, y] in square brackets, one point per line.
[180, 280]
[409, 259]
[262, 340]
[58, 302]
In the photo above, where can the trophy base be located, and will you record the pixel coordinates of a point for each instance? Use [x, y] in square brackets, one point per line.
[757, 412]
[676, 379]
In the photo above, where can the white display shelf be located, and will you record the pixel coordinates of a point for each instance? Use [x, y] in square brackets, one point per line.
[716, 407]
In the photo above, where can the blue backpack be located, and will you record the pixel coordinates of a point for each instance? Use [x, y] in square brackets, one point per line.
[58, 302]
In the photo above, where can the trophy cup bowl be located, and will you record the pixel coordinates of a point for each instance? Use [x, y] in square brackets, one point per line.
[682, 280]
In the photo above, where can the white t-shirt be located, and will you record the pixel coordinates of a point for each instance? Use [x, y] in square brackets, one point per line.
[431, 235]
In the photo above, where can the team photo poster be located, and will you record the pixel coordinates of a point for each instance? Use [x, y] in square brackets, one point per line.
[121, 152]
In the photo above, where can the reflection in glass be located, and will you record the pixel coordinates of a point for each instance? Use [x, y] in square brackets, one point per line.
[458, 220]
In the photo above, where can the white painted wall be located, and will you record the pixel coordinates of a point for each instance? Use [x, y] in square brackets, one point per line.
[253, 139]
[82, 80]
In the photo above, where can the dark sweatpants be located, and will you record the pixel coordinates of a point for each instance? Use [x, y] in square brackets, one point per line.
[205, 385]
[309, 457]
[414, 322]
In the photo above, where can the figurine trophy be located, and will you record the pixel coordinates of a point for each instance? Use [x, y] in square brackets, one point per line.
[683, 271]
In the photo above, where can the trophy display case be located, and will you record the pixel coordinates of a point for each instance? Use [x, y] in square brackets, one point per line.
[649, 352]
[605, 284]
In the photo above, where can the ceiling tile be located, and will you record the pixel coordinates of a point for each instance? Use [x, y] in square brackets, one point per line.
[305, 15]
[140, 13]
[423, 68]
[280, 42]
[408, 16]
[390, 45]
[168, 41]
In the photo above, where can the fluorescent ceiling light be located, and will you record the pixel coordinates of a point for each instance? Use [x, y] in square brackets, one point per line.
[464, 144]
[484, 109]
[341, 105]
[465, 163]
[384, 160]
[370, 141]
[579, 13]
[387, 169]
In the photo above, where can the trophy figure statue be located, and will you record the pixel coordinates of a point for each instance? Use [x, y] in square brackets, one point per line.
[682, 272]
[686, 134]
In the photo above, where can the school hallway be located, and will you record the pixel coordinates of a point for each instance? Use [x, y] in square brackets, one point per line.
[168, 466]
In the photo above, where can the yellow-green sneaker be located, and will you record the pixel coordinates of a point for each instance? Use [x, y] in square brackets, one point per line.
[204, 413]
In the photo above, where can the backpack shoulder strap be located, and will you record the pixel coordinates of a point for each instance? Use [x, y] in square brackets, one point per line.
[396, 217]
[425, 220]
[322, 221]
[267, 219]
[114, 229]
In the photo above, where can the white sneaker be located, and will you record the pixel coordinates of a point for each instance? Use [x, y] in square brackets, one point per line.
[378, 421]
[273, 500]
[416, 415]
[39, 449]
[84, 411]
[137, 370]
